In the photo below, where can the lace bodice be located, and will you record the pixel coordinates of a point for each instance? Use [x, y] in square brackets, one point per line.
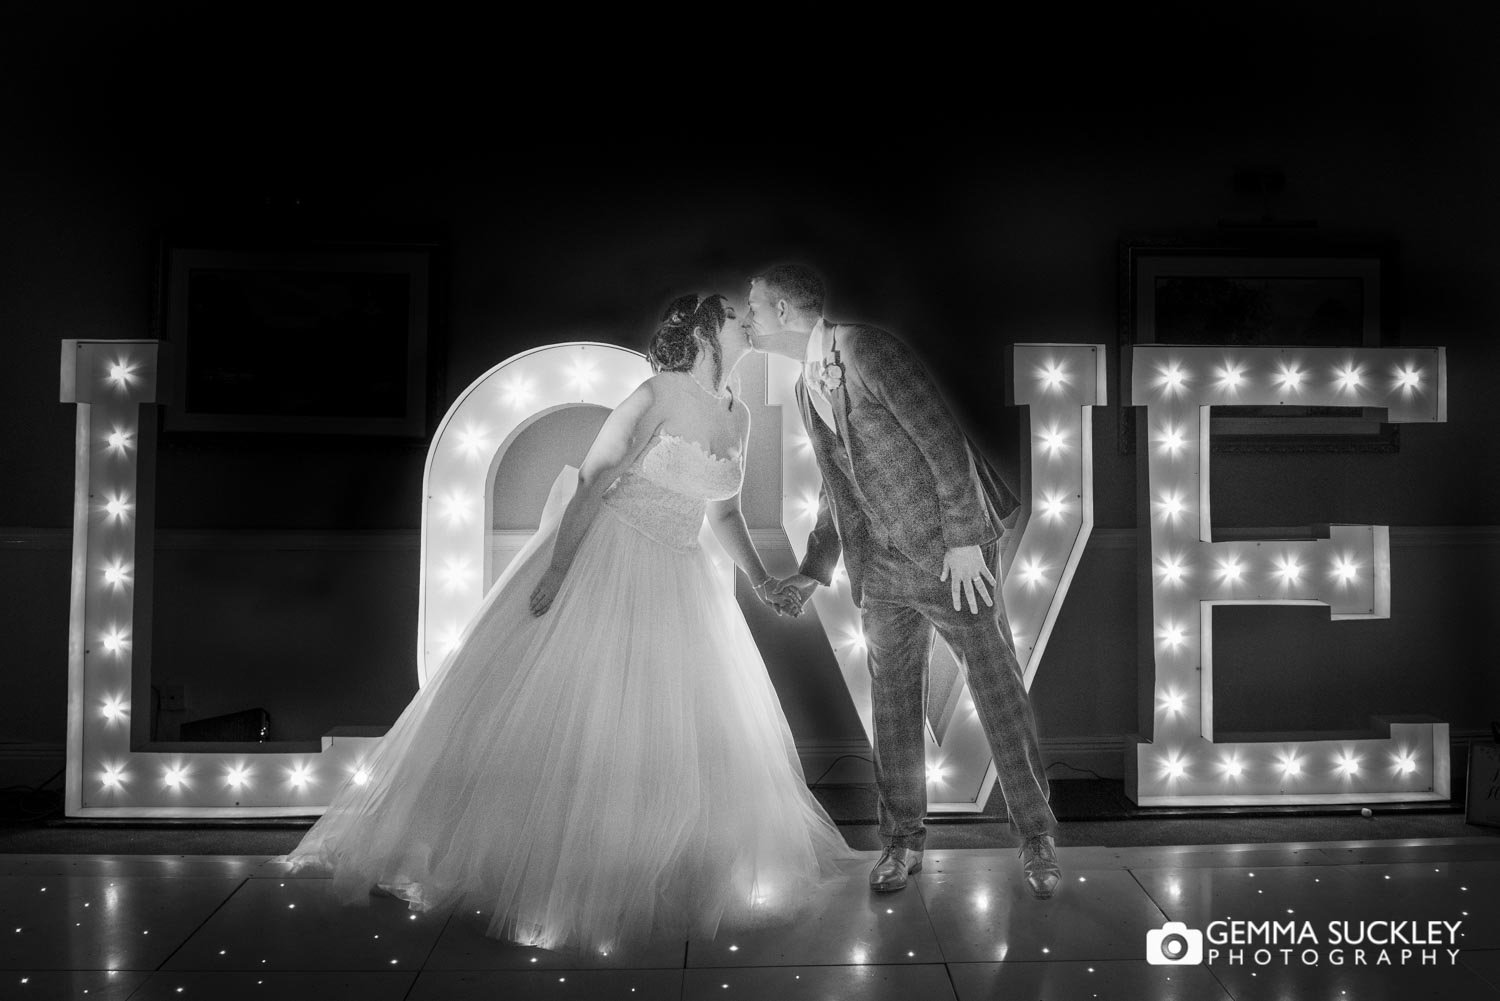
[665, 492]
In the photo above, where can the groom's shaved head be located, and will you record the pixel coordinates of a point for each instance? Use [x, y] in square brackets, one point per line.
[798, 284]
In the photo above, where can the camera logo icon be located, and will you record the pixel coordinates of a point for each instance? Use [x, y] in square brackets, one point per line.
[1174, 944]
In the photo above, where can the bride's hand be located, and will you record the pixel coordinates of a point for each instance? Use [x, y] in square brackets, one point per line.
[546, 589]
[774, 594]
[801, 586]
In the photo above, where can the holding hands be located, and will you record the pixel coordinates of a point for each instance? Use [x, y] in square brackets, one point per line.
[786, 595]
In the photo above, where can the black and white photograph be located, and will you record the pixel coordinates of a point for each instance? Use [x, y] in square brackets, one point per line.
[749, 504]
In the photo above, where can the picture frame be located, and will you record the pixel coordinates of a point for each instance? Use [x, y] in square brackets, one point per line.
[1261, 293]
[297, 338]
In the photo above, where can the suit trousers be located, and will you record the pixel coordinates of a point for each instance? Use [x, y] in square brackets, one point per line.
[901, 606]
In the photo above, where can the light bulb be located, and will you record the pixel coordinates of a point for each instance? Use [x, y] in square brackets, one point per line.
[1345, 569]
[1172, 505]
[1172, 378]
[1289, 569]
[1349, 764]
[1171, 440]
[1231, 374]
[361, 776]
[448, 638]
[1053, 506]
[174, 776]
[1233, 766]
[1052, 374]
[1172, 634]
[1408, 378]
[114, 708]
[582, 375]
[518, 391]
[1172, 702]
[1032, 571]
[1349, 378]
[1230, 569]
[456, 507]
[1172, 569]
[1054, 440]
[1289, 377]
[119, 440]
[473, 440]
[238, 776]
[455, 574]
[120, 373]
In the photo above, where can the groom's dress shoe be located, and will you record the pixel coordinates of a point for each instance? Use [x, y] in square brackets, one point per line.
[1039, 862]
[894, 866]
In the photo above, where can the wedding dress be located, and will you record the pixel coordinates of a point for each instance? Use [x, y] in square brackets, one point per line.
[616, 768]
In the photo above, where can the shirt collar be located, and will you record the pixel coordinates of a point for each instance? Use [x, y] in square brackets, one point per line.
[815, 349]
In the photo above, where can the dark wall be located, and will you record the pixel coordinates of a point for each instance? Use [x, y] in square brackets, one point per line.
[966, 207]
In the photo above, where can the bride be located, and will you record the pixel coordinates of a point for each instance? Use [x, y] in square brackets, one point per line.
[602, 757]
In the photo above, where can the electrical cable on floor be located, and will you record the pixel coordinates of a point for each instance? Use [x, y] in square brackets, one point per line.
[835, 761]
[37, 790]
[1076, 768]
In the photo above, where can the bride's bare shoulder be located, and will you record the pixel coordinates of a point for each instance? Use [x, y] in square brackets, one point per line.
[658, 387]
[659, 397]
[666, 382]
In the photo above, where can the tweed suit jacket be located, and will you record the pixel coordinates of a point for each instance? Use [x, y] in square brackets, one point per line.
[901, 473]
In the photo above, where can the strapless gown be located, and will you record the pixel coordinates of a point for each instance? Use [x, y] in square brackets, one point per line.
[616, 769]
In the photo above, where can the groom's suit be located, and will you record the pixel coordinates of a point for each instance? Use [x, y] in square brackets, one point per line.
[901, 486]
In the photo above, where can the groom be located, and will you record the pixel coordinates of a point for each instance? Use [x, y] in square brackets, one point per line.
[916, 512]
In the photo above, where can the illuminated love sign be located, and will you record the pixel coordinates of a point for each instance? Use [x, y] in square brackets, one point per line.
[114, 385]
[1349, 572]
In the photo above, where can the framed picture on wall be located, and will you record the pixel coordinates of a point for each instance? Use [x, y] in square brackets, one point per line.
[1175, 292]
[313, 339]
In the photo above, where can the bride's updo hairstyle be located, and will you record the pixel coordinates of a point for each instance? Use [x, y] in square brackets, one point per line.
[674, 347]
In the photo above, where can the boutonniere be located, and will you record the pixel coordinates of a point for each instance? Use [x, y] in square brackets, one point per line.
[831, 376]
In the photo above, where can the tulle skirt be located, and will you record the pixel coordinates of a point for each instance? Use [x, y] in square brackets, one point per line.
[616, 769]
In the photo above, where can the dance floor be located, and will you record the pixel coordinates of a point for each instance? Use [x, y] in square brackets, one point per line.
[229, 927]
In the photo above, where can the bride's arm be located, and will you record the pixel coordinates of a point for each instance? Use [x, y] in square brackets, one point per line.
[625, 432]
[728, 524]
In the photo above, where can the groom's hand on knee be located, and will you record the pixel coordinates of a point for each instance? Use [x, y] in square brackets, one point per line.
[965, 570]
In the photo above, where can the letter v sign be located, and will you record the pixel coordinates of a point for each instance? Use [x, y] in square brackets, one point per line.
[1060, 384]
